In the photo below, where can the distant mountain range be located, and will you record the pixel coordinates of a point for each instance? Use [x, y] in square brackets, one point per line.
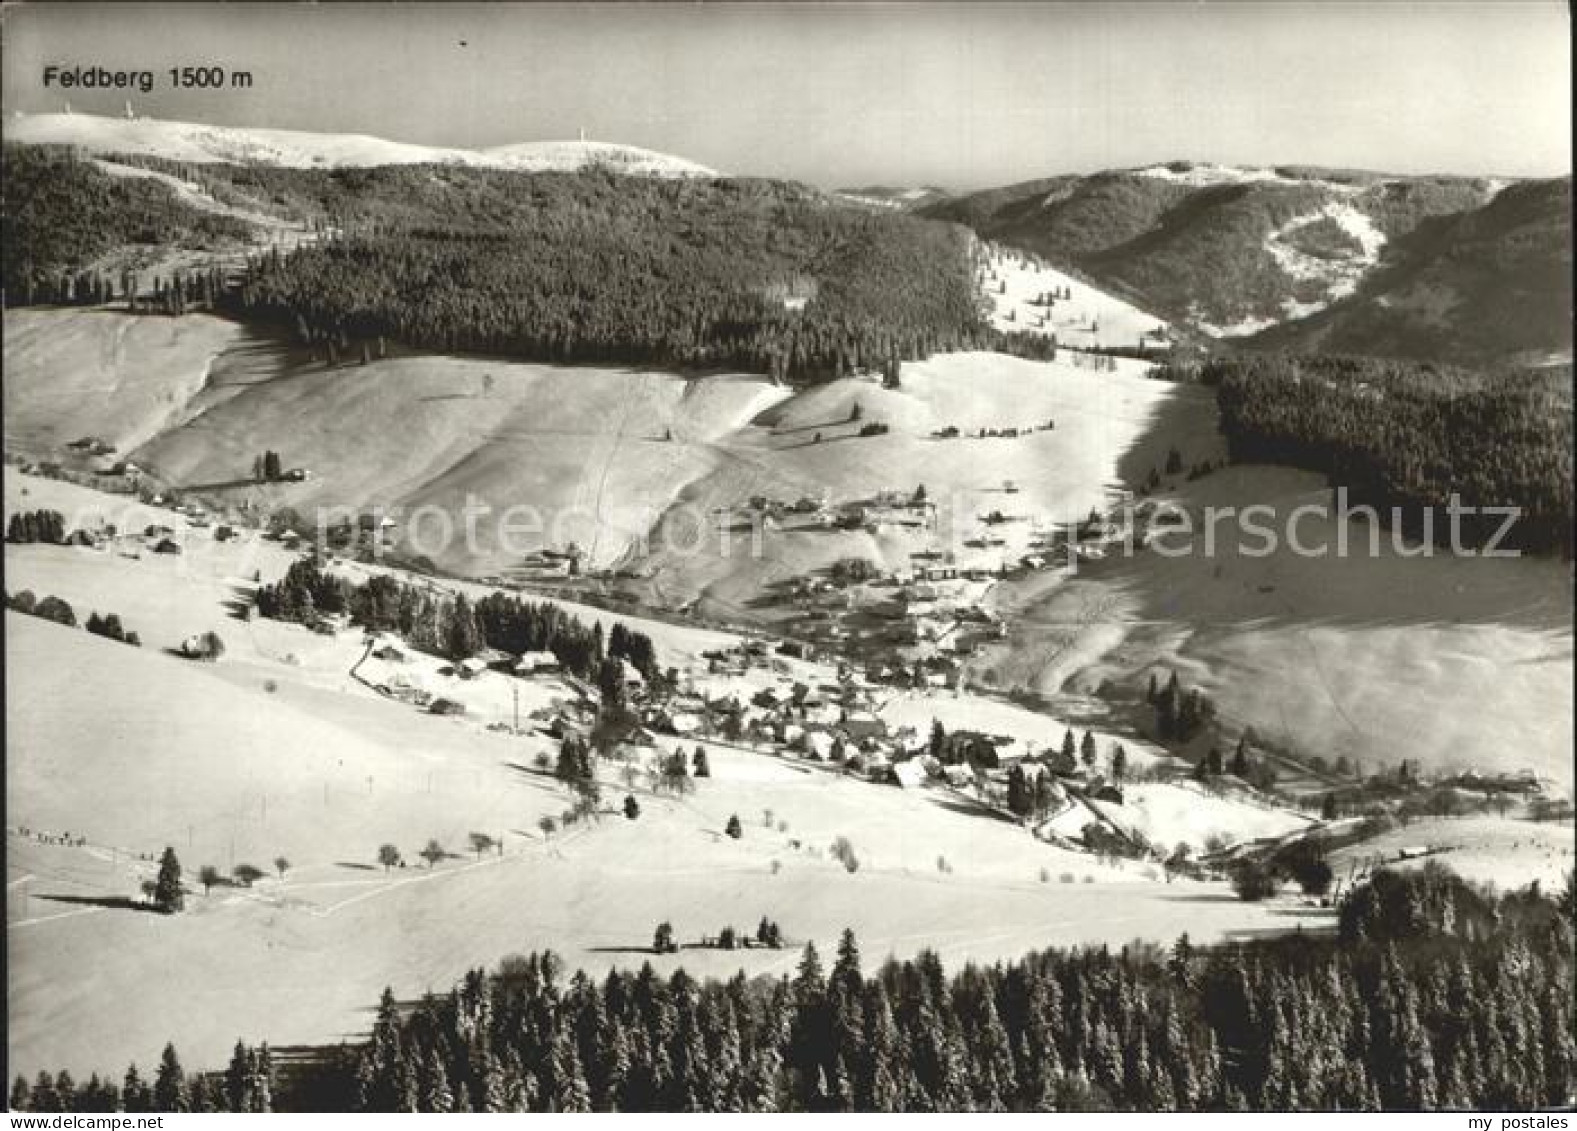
[1464, 269]
[199, 144]
[1450, 268]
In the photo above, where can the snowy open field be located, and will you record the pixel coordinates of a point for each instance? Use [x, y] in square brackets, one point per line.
[123, 378]
[1015, 282]
[1505, 854]
[1169, 814]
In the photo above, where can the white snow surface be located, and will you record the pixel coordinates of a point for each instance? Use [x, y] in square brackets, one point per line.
[201, 144]
[1013, 281]
[1205, 173]
[1340, 275]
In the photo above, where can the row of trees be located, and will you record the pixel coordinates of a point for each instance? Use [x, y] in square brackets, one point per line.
[450, 624]
[1212, 765]
[246, 1086]
[175, 295]
[1370, 1018]
[267, 468]
[1027, 797]
[1179, 714]
[51, 608]
[36, 526]
[110, 627]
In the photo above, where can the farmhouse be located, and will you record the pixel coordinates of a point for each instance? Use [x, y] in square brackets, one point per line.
[685, 722]
[367, 530]
[819, 744]
[890, 512]
[547, 562]
[877, 767]
[959, 777]
[536, 663]
[860, 725]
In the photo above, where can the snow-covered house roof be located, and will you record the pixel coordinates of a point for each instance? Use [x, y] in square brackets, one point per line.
[536, 662]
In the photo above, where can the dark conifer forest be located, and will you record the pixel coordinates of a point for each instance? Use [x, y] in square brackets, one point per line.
[62, 213]
[1410, 435]
[1431, 995]
[758, 275]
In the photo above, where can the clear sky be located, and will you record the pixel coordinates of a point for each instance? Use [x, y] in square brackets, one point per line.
[961, 96]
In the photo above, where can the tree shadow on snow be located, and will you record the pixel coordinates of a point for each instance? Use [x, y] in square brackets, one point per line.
[970, 808]
[1248, 934]
[109, 902]
[238, 606]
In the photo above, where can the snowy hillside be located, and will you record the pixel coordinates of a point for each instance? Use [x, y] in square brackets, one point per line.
[1205, 174]
[899, 199]
[1030, 295]
[1242, 251]
[200, 144]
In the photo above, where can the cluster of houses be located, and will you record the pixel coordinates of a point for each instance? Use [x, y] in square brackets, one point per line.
[774, 697]
[894, 509]
[366, 533]
[930, 611]
[756, 696]
[392, 651]
[886, 510]
[544, 564]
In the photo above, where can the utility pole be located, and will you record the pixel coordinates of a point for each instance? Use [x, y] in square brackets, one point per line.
[516, 689]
